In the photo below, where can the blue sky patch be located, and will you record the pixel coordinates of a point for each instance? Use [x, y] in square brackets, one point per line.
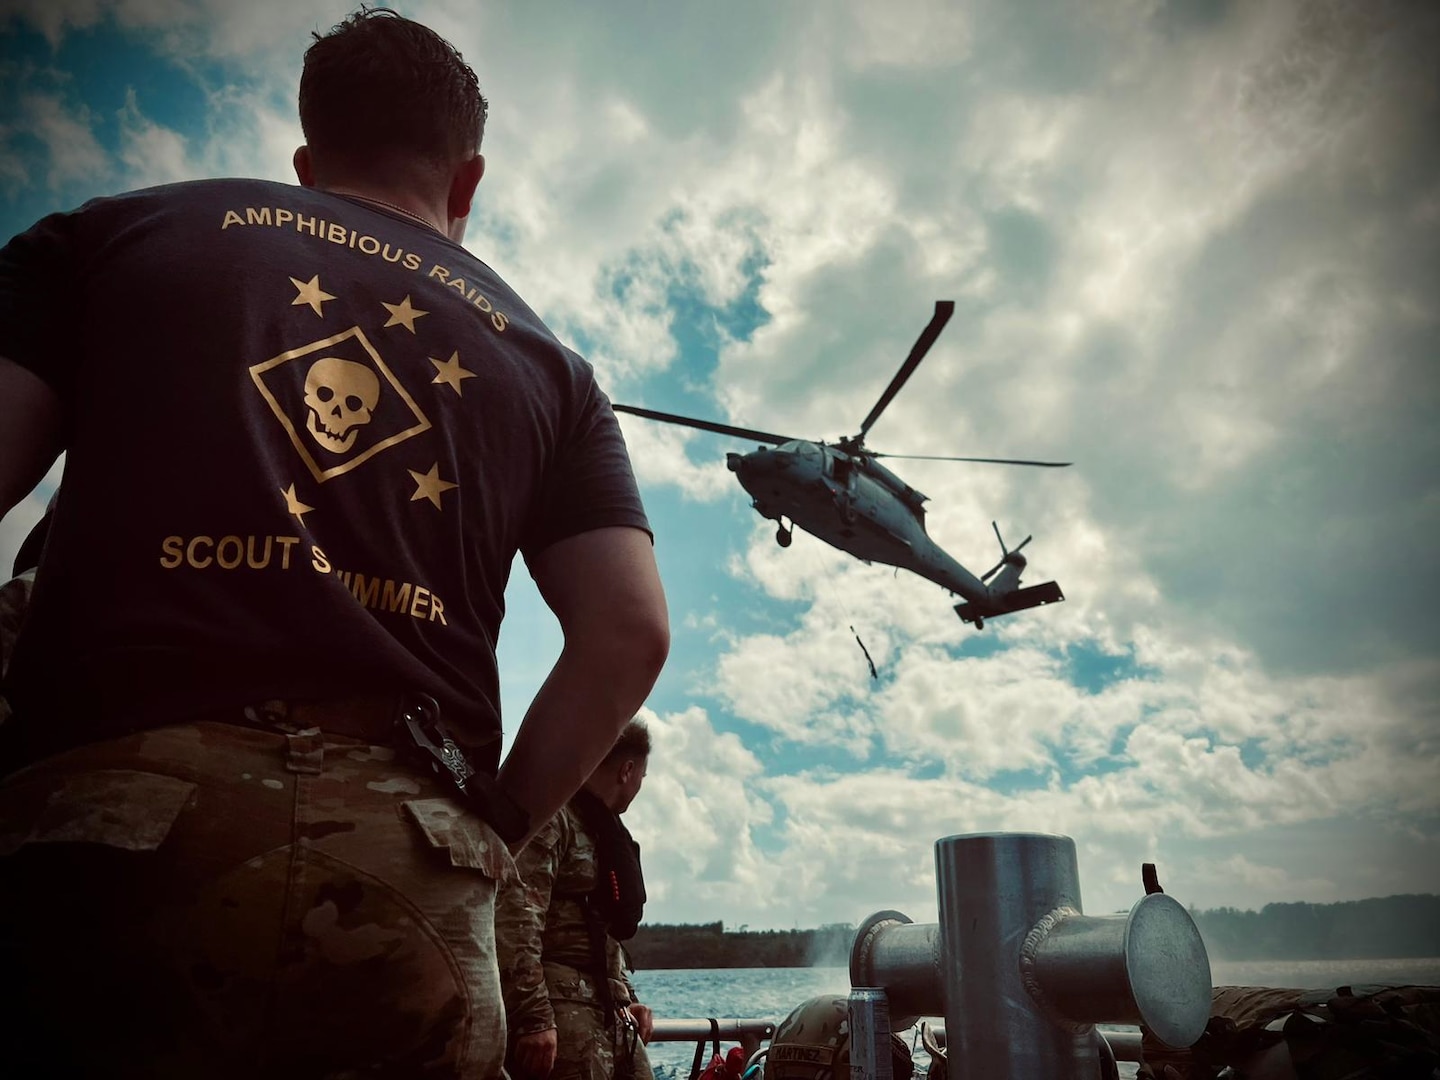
[92, 75]
[1092, 669]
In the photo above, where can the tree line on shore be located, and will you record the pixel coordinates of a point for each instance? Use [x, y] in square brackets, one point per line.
[1392, 926]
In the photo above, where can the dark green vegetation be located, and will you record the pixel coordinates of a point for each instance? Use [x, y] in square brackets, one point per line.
[709, 945]
[1396, 926]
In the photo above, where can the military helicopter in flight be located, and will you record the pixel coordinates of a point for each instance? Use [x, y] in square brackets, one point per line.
[841, 494]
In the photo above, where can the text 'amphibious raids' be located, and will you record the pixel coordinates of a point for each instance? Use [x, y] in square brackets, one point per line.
[343, 236]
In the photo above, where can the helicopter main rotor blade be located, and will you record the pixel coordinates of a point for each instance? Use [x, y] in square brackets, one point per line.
[982, 460]
[943, 310]
[706, 425]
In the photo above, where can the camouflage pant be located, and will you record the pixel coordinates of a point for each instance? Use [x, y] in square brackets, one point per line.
[588, 1047]
[14, 602]
[219, 901]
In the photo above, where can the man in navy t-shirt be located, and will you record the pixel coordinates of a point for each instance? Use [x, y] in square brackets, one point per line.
[306, 432]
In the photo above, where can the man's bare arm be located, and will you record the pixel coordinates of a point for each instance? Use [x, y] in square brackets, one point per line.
[29, 432]
[604, 587]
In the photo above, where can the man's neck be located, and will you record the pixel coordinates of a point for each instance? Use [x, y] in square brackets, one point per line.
[406, 202]
[603, 793]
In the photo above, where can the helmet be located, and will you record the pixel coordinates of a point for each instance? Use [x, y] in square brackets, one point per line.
[813, 1043]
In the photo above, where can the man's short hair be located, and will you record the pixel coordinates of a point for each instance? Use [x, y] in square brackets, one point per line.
[380, 93]
[634, 742]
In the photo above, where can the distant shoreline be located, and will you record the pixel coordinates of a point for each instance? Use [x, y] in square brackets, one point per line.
[1383, 928]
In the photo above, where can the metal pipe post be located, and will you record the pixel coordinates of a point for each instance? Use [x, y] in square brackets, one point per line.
[870, 1034]
[1148, 967]
[994, 888]
[891, 951]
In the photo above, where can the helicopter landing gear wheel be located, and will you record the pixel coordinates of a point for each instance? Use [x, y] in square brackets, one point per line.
[783, 536]
[847, 512]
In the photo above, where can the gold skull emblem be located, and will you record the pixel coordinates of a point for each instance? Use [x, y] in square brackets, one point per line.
[341, 396]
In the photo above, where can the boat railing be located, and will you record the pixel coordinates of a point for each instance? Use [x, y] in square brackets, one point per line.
[1124, 1044]
[693, 1030]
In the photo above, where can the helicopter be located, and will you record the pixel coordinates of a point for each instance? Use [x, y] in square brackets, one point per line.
[841, 494]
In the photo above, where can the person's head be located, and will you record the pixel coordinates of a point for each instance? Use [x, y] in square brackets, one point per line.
[813, 1043]
[386, 102]
[617, 780]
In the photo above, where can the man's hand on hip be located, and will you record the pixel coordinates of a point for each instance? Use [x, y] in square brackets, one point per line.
[535, 1053]
[644, 1019]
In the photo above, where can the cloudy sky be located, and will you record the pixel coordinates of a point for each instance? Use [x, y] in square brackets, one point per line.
[1193, 249]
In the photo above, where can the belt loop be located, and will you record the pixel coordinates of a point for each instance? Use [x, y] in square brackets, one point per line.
[305, 752]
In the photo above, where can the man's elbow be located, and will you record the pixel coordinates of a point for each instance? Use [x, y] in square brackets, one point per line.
[658, 648]
[644, 645]
[630, 651]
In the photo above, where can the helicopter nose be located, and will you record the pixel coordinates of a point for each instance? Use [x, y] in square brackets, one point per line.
[761, 462]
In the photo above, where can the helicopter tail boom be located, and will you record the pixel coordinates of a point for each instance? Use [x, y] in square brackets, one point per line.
[1007, 603]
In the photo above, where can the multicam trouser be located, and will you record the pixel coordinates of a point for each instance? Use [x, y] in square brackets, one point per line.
[588, 1048]
[220, 901]
[14, 602]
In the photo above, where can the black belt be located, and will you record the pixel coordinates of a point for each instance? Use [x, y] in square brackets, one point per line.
[411, 723]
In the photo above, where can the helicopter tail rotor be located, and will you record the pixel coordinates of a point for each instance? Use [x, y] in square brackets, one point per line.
[1005, 594]
[1008, 558]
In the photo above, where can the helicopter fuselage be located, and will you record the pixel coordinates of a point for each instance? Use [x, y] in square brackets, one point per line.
[854, 503]
[842, 495]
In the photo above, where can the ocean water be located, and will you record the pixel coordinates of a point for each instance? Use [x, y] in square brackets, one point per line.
[770, 993]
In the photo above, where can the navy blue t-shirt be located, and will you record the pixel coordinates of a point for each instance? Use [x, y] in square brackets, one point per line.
[305, 439]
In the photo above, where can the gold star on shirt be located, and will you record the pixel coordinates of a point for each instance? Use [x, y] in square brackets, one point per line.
[450, 372]
[429, 485]
[293, 504]
[310, 293]
[403, 314]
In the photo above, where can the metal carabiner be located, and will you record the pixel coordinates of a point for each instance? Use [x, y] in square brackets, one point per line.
[420, 713]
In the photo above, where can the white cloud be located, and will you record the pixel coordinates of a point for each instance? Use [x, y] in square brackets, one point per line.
[695, 817]
[1198, 260]
[907, 35]
[74, 153]
[661, 454]
[151, 154]
[1268, 882]
[212, 27]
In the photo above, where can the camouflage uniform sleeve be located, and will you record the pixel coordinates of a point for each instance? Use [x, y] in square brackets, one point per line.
[621, 988]
[14, 602]
[520, 910]
[629, 989]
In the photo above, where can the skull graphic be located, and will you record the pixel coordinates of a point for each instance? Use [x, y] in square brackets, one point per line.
[341, 396]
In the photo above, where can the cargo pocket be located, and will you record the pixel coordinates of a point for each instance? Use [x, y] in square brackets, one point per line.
[120, 808]
[461, 908]
[472, 844]
[565, 983]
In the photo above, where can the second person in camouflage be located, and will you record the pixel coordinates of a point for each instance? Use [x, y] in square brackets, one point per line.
[556, 991]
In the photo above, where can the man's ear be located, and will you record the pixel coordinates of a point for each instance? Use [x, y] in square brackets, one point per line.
[463, 182]
[627, 770]
[304, 167]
